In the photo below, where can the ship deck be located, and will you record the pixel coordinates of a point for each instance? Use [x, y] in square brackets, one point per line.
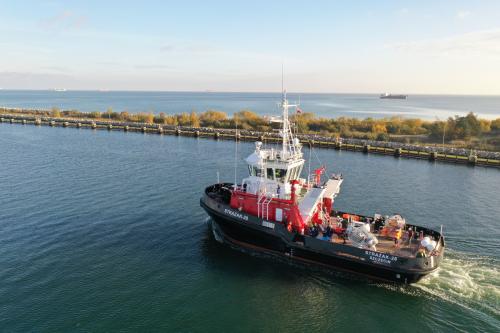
[386, 245]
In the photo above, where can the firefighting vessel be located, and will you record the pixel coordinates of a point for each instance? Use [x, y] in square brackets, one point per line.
[277, 212]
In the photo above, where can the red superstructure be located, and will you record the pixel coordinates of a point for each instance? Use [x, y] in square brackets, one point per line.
[274, 190]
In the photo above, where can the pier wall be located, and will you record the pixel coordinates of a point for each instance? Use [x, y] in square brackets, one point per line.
[398, 150]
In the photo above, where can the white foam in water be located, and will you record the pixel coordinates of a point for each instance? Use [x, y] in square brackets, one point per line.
[466, 279]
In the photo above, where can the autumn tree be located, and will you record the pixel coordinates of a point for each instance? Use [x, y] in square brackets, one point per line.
[213, 118]
[55, 112]
[194, 120]
[124, 115]
[495, 125]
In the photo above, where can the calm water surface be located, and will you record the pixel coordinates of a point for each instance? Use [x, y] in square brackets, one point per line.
[102, 231]
[323, 105]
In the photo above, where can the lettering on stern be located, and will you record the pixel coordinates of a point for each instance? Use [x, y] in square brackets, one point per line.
[381, 258]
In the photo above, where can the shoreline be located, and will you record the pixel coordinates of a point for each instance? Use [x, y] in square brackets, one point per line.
[467, 132]
[396, 149]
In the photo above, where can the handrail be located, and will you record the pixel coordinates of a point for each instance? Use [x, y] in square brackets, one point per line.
[267, 202]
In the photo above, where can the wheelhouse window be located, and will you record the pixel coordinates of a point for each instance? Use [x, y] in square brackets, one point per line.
[280, 174]
[270, 173]
[295, 172]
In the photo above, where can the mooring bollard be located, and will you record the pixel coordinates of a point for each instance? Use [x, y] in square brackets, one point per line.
[472, 159]
[397, 152]
[433, 156]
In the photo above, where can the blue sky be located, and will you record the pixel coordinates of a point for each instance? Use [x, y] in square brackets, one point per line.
[450, 47]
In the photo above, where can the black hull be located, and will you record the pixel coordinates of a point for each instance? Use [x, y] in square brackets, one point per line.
[245, 231]
[278, 242]
[238, 237]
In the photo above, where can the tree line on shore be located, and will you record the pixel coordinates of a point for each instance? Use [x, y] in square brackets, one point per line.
[468, 130]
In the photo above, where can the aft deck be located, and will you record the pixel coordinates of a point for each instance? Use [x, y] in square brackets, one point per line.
[404, 247]
[385, 245]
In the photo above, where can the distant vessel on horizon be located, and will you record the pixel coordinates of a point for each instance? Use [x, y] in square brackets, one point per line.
[391, 96]
[60, 89]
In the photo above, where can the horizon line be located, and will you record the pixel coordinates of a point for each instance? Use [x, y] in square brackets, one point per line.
[208, 91]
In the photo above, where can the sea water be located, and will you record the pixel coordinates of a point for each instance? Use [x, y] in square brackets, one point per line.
[102, 231]
[429, 107]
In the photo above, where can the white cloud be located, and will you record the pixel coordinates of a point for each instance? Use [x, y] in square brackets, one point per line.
[65, 19]
[463, 14]
[477, 43]
[56, 69]
[33, 80]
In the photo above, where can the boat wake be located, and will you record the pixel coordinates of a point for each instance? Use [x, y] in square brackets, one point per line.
[466, 279]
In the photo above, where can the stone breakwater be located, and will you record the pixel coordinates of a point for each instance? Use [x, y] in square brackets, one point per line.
[433, 153]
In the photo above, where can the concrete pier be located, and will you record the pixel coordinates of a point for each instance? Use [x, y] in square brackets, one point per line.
[439, 154]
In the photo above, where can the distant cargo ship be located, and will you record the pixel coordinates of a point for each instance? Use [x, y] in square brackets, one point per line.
[391, 96]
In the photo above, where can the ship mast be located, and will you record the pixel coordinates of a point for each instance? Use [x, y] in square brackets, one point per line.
[289, 149]
[284, 107]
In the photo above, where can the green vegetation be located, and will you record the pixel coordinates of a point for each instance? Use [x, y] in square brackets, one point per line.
[466, 131]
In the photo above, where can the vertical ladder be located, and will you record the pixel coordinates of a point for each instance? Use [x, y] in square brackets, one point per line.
[259, 204]
[263, 206]
[266, 204]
